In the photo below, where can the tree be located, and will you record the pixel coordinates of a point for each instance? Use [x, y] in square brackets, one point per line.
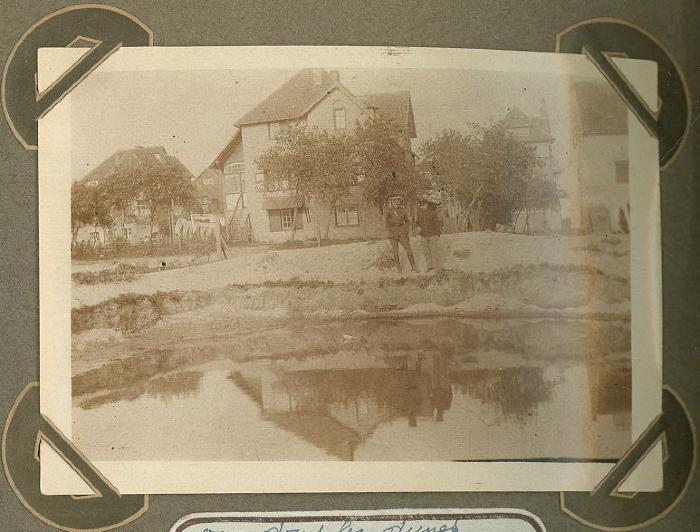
[89, 205]
[289, 165]
[384, 162]
[317, 167]
[161, 182]
[508, 164]
[452, 163]
[320, 168]
[335, 175]
[121, 189]
[486, 172]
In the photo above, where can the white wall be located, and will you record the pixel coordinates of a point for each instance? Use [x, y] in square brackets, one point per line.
[597, 183]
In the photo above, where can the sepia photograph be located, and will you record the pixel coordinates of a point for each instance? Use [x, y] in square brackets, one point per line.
[349, 262]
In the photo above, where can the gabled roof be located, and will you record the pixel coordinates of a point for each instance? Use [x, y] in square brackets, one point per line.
[298, 95]
[132, 158]
[601, 111]
[539, 125]
[213, 190]
[226, 152]
[294, 98]
[516, 118]
[394, 107]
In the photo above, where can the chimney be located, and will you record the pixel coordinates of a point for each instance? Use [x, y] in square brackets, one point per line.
[335, 77]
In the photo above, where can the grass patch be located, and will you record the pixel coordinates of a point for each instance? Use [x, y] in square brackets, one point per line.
[385, 261]
[123, 272]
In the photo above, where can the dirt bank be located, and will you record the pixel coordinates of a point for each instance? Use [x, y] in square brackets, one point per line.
[544, 290]
[124, 368]
[473, 253]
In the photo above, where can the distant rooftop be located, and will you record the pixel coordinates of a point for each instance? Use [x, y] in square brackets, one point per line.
[601, 111]
[538, 125]
[132, 158]
[394, 107]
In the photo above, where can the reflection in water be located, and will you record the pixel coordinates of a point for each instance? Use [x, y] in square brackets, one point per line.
[379, 391]
[167, 387]
[516, 391]
[355, 401]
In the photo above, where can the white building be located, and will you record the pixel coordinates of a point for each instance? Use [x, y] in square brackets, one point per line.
[316, 98]
[600, 201]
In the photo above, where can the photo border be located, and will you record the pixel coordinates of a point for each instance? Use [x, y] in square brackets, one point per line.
[241, 477]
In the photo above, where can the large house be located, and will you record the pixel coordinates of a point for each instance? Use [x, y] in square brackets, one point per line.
[134, 225]
[599, 141]
[316, 98]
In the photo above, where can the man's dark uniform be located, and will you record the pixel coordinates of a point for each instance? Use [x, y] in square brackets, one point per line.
[430, 226]
[397, 225]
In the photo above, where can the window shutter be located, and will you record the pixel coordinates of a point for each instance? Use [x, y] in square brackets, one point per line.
[275, 220]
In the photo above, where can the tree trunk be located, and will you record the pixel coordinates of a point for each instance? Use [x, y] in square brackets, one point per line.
[527, 222]
[515, 222]
[150, 233]
[330, 218]
[171, 221]
[464, 215]
[294, 221]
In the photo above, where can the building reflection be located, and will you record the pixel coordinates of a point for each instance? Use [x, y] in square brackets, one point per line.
[610, 391]
[516, 392]
[337, 409]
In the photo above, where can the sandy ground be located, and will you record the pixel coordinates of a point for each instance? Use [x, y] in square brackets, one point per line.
[471, 252]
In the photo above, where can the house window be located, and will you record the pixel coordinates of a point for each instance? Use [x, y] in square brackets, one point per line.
[339, 119]
[281, 219]
[287, 217]
[346, 216]
[622, 169]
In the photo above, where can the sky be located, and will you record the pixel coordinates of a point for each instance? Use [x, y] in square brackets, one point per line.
[192, 114]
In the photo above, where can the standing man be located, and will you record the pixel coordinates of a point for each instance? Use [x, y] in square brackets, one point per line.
[430, 227]
[397, 226]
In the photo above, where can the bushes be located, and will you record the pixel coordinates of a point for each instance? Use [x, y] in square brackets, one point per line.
[123, 272]
[120, 248]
